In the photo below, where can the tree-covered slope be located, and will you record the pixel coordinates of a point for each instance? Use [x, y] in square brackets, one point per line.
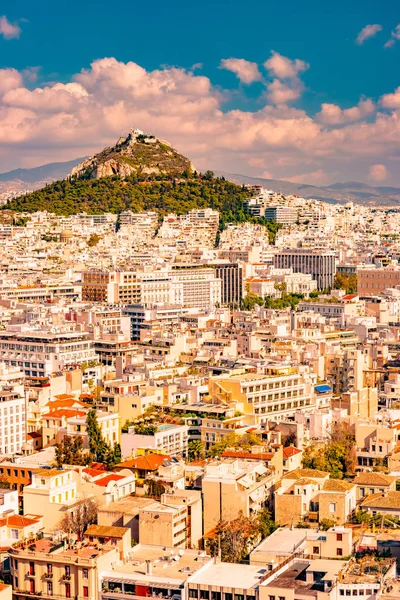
[112, 194]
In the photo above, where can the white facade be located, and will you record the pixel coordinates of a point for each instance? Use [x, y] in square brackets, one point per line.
[169, 439]
[12, 410]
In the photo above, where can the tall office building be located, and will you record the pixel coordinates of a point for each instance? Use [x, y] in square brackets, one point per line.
[320, 264]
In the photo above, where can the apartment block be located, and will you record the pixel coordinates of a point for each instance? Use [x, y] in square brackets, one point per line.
[233, 486]
[321, 265]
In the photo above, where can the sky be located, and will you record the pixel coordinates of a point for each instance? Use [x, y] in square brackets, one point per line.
[303, 91]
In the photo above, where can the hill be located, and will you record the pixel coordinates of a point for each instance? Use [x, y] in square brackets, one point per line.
[137, 154]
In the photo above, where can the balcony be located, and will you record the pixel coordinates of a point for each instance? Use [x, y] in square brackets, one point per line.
[66, 577]
[48, 575]
[30, 575]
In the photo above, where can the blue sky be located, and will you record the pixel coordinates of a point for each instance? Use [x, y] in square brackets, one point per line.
[62, 38]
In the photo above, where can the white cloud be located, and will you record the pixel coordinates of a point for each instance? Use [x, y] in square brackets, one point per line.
[245, 70]
[395, 36]
[368, 32]
[9, 30]
[391, 100]
[332, 114]
[283, 67]
[282, 93]
[378, 173]
[65, 120]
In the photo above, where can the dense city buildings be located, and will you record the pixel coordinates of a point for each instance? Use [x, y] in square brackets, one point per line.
[199, 409]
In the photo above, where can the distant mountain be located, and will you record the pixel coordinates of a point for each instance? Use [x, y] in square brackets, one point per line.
[48, 172]
[354, 191]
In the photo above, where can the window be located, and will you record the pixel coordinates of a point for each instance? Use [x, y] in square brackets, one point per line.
[68, 590]
[85, 574]
[204, 594]
[281, 597]
[50, 588]
[271, 597]
[339, 552]
[339, 537]
[227, 596]
[31, 568]
[342, 592]
[239, 597]
[193, 593]
[215, 595]
[85, 591]
[32, 586]
[315, 550]
[332, 507]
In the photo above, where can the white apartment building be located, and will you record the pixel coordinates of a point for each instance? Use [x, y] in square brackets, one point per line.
[275, 395]
[42, 352]
[12, 410]
[168, 439]
[196, 288]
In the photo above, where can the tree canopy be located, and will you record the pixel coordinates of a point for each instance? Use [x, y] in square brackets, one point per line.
[114, 195]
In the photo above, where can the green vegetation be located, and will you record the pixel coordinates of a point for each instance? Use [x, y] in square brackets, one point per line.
[100, 450]
[70, 451]
[142, 193]
[346, 282]
[250, 301]
[4, 483]
[326, 524]
[93, 240]
[195, 450]
[285, 301]
[337, 456]
[235, 539]
[233, 440]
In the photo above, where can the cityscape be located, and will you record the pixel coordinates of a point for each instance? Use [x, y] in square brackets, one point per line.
[199, 307]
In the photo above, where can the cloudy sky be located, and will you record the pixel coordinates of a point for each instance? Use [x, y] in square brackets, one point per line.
[304, 91]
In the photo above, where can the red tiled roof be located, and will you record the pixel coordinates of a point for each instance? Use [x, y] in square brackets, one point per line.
[104, 481]
[290, 451]
[150, 462]
[18, 521]
[60, 413]
[92, 472]
[251, 455]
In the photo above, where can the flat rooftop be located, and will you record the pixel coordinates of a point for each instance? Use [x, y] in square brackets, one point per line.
[229, 575]
[168, 565]
[129, 505]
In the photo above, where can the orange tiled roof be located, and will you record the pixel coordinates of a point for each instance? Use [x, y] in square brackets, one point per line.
[60, 413]
[245, 454]
[150, 462]
[18, 521]
[290, 451]
[104, 481]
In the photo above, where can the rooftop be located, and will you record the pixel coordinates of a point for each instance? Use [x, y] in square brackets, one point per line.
[169, 566]
[230, 575]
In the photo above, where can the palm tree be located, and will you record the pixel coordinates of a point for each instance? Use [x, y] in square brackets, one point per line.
[195, 449]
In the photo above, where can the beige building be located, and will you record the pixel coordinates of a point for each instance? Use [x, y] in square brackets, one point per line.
[233, 486]
[374, 483]
[51, 493]
[308, 494]
[373, 281]
[275, 395]
[286, 542]
[49, 568]
[175, 522]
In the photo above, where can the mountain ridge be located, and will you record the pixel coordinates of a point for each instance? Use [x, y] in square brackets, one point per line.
[354, 191]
